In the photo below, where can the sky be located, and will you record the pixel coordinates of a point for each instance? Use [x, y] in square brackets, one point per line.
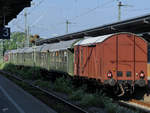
[47, 18]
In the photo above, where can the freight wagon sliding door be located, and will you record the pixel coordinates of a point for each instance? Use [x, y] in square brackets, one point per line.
[125, 57]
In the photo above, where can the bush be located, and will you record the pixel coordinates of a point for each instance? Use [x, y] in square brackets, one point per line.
[93, 100]
[2, 65]
[31, 73]
[9, 67]
[77, 95]
[111, 107]
[63, 85]
[125, 110]
[43, 84]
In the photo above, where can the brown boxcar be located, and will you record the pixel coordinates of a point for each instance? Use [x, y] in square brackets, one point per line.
[116, 59]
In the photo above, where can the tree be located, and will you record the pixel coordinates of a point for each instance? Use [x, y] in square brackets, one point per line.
[17, 40]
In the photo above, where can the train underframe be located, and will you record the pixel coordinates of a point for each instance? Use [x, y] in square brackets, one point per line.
[124, 87]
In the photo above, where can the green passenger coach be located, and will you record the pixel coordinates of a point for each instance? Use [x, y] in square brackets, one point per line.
[53, 56]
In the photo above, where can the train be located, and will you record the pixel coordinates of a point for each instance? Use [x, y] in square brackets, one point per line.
[118, 61]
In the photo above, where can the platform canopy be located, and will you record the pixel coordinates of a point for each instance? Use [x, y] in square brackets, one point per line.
[9, 9]
[138, 25]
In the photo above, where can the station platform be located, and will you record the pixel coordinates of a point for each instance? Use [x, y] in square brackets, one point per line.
[13, 99]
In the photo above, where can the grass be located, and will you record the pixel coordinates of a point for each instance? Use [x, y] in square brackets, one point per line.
[44, 84]
[125, 110]
[26, 72]
[76, 95]
[63, 85]
[96, 100]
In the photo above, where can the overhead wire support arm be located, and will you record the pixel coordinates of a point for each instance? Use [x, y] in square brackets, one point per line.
[67, 25]
[119, 9]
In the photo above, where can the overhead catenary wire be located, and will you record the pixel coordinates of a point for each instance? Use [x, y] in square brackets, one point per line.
[92, 9]
[83, 14]
[78, 16]
[35, 6]
[16, 21]
[144, 9]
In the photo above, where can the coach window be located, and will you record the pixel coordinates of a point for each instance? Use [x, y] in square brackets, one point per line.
[119, 73]
[65, 56]
[61, 56]
[128, 73]
[50, 56]
[56, 56]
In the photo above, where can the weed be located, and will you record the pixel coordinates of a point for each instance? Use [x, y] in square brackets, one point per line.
[63, 85]
[111, 107]
[44, 84]
[92, 100]
[76, 95]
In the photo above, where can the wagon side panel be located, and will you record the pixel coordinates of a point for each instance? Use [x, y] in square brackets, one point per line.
[109, 57]
[140, 58]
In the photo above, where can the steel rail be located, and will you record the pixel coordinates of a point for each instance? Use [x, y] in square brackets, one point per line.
[133, 106]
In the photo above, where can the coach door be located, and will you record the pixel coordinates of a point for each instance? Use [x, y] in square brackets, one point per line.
[125, 57]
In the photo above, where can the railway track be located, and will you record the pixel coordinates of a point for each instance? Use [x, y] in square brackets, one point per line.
[141, 106]
[58, 104]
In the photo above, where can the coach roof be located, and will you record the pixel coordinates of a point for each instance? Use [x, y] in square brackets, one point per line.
[62, 45]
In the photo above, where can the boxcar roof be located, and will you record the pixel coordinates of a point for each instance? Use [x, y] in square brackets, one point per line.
[93, 40]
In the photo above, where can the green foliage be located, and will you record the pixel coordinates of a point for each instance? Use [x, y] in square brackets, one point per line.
[44, 84]
[111, 107]
[30, 73]
[9, 67]
[2, 65]
[125, 110]
[93, 100]
[63, 85]
[27, 73]
[17, 40]
[76, 95]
